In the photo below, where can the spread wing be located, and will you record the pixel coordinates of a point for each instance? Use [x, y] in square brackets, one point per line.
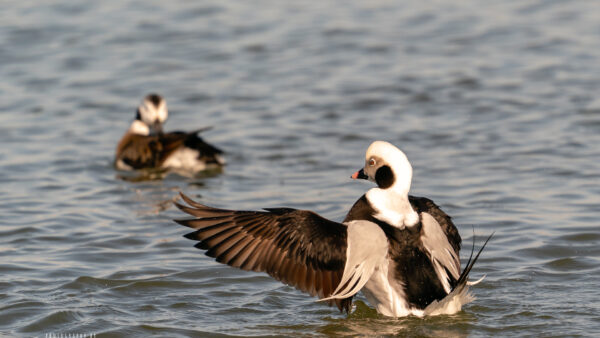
[422, 204]
[440, 239]
[297, 247]
[445, 260]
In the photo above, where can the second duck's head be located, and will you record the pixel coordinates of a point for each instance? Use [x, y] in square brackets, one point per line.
[152, 113]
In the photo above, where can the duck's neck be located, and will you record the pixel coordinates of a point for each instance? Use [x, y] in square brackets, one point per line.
[392, 206]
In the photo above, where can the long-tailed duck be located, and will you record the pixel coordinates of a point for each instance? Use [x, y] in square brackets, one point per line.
[402, 251]
[145, 146]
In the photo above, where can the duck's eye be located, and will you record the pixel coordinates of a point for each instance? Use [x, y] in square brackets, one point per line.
[372, 162]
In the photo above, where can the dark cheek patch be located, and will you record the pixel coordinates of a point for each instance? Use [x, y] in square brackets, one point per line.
[384, 177]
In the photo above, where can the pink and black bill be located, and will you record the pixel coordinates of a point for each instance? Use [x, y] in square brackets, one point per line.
[359, 175]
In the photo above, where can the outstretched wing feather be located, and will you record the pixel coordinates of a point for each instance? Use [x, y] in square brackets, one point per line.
[297, 247]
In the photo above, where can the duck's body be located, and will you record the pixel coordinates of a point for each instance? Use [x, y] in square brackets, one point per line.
[401, 251]
[407, 281]
[176, 150]
[145, 146]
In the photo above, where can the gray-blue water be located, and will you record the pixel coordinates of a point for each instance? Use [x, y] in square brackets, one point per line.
[496, 104]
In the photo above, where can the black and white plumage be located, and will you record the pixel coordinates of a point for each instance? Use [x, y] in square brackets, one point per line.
[401, 251]
[145, 146]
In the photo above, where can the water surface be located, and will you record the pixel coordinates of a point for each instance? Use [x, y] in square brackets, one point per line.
[495, 104]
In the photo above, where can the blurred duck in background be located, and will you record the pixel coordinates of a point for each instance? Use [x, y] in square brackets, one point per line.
[146, 146]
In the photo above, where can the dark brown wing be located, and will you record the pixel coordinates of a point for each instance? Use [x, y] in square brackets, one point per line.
[297, 247]
[172, 141]
[168, 144]
[139, 151]
[422, 204]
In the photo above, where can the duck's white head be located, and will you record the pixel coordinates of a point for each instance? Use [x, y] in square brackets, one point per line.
[387, 166]
[151, 114]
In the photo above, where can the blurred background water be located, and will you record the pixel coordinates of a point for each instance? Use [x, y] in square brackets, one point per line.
[494, 102]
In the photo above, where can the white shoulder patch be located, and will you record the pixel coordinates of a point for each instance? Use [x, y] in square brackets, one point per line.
[367, 250]
[440, 251]
[121, 165]
[140, 128]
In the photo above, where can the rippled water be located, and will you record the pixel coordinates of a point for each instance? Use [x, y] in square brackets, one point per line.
[495, 103]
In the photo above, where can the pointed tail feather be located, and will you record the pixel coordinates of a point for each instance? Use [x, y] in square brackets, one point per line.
[461, 294]
[203, 129]
[465, 273]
